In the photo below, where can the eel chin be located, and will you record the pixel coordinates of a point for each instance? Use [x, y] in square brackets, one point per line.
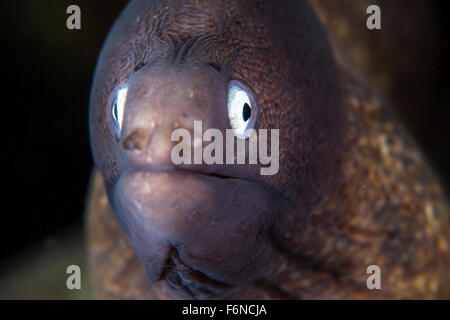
[202, 233]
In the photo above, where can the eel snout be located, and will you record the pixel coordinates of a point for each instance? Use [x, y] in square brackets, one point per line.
[164, 97]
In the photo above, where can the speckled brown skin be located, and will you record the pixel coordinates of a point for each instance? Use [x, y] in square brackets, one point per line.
[402, 60]
[354, 190]
[386, 208]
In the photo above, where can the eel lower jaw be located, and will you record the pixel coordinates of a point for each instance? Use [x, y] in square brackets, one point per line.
[159, 256]
[186, 209]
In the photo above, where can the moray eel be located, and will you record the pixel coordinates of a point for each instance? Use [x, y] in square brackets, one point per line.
[352, 189]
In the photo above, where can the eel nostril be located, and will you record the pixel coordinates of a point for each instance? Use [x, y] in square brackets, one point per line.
[135, 140]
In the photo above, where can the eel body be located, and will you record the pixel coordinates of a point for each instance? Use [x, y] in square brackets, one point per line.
[352, 189]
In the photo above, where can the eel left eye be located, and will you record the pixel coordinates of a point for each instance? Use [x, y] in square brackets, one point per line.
[118, 107]
[242, 109]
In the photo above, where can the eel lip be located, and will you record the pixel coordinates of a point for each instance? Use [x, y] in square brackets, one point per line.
[190, 282]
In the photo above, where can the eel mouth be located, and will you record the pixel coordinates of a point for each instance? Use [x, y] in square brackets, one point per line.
[192, 171]
[190, 282]
[209, 174]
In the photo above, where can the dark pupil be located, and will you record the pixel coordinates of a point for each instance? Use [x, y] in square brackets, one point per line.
[246, 112]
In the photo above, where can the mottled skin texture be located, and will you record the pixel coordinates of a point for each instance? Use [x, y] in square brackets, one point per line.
[352, 189]
[402, 60]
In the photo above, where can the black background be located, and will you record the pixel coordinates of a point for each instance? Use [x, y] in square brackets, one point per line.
[46, 74]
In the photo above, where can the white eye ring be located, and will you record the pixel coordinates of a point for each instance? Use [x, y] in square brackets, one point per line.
[242, 109]
[118, 108]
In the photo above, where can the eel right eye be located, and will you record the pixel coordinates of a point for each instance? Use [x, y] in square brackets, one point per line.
[118, 108]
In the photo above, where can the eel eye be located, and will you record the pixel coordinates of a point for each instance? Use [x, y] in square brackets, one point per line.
[242, 109]
[118, 108]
